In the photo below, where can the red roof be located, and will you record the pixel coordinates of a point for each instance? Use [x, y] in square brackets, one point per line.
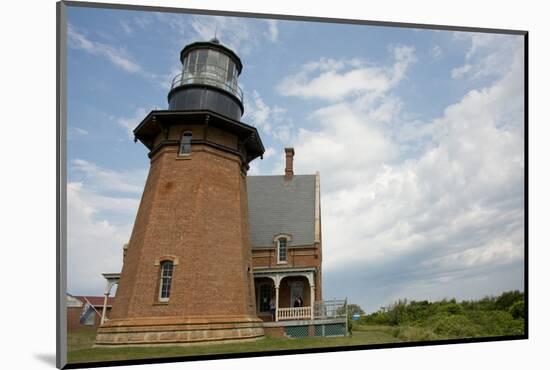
[95, 301]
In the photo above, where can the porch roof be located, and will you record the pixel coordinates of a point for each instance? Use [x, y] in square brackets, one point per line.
[272, 270]
[277, 274]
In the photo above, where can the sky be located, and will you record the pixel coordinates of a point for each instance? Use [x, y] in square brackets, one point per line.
[418, 136]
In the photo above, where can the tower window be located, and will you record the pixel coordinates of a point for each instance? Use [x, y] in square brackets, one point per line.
[281, 253]
[185, 144]
[166, 269]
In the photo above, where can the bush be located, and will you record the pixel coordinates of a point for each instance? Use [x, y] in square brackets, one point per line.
[507, 300]
[496, 323]
[376, 318]
[454, 326]
[414, 333]
[423, 320]
[517, 310]
[453, 308]
[397, 313]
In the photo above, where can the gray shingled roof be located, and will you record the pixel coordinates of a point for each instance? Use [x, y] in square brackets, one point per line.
[276, 206]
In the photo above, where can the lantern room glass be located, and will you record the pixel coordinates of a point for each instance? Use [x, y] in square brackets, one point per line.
[210, 67]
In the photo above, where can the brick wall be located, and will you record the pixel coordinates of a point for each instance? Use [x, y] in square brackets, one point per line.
[193, 208]
[309, 256]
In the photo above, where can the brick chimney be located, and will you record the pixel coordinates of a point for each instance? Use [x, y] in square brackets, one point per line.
[289, 170]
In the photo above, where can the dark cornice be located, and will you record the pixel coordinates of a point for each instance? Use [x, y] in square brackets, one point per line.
[158, 121]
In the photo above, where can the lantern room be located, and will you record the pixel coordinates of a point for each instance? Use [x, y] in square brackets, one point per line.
[209, 80]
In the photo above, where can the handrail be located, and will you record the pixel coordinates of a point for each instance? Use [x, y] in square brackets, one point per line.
[209, 75]
[330, 309]
[290, 313]
[321, 310]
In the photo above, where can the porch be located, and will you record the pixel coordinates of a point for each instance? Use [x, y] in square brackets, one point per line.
[285, 294]
[289, 304]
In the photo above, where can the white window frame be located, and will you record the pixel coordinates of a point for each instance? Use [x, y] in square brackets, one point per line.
[162, 277]
[276, 241]
[279, 260]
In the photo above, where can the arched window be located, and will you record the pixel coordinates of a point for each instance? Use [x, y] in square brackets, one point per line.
[185, 143]
[166, 269]
[281, 250]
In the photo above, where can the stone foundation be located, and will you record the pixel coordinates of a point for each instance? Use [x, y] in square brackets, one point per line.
[177, 331]
[275, 332]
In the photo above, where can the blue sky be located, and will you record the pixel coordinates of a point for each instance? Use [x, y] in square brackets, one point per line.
[418, 137]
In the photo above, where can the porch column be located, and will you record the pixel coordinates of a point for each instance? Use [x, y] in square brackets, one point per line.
[104, 307]
[312, 299]
[108, 288]
[277, 302]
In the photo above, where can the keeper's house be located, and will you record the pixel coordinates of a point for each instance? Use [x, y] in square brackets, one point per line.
[285, 234]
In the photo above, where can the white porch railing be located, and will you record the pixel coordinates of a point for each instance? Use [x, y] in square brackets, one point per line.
[294, 313]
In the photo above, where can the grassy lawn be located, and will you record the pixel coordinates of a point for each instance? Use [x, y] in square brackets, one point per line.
[81, 339]
[80, 346]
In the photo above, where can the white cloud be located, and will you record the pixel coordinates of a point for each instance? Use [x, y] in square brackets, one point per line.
[126, 27]
[436, 52]
[144, 21]
[258, 111]
[116, 56]
[98, 223]
[451, 212]
[258, 167]
[352, 137]
[177, 22]
[273, 30]
[102, 179]
[459, 72]
[486, 54]
[348, 146]
[242, 36]
[269, 152]
[270, 120]
[77, 131]
[94, 245]
[334, 80]
[130, 123]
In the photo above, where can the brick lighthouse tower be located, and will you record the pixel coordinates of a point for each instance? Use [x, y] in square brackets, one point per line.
[187, 273]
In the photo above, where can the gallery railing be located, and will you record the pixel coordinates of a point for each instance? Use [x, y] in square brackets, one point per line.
[209, 75]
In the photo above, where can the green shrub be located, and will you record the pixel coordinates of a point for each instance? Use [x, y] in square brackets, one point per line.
[376, 318]
[414, 333]
[397, 313]
[452, 308]
[496, 323]
[507, 300]
[490, 316]
[517, 310]
[454, 326]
